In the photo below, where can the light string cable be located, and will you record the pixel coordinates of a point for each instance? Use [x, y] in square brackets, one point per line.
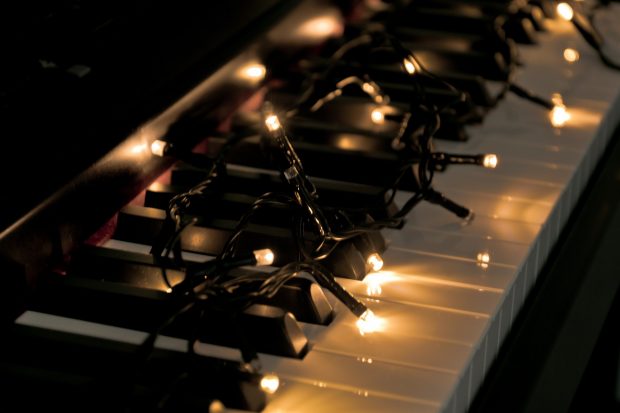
[557, 110]
[420, 147]
[582, 15]
[166, 247]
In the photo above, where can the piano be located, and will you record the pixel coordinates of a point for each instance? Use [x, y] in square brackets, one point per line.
[450, 289]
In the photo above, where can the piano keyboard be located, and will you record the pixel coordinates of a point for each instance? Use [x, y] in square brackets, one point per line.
[449, 290]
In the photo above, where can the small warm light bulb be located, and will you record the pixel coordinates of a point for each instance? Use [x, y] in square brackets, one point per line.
[571, 55]
[255, 72]
[409, 64]
[270, 383]
[217, 406]
[273, 123]
[483, 259]
[264, 256]
[490, 161]
[158, 147]
[369, 323]
[375, 261]
[559, 116]
[371, 89]
[378, 117]
[565, 11]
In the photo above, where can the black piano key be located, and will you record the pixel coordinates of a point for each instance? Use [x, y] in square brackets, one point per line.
[266, 328]
[75, 373]
[142, 225]
[301, 297]
[331, 193]
[350, 164]
[517, 18]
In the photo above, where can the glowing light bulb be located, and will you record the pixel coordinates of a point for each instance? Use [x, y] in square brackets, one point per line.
[254, 72]
[217, 406]
[565, 11]
[483, 259]
[158, 147]
[375, 261]
[409, 64]
[264, 256]
[571, 55]
[369, 323]
[270, 383]
[273, 123]
[490, 161]
[378, 117]
[559, 116]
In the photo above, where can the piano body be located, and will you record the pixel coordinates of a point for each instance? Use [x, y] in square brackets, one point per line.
[449, 291]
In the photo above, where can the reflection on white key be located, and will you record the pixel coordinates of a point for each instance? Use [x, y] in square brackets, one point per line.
[456, 245]
[432, 217]
[423, 291]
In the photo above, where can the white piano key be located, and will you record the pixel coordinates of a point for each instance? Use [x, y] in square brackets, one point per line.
[494, 206]
[487, 182]
[448, 270]
[365, 376]
[408, 335]
[428, 216]
[457, 246]
[513, 149]
[536, 172]
[423, 291]
[299, 397]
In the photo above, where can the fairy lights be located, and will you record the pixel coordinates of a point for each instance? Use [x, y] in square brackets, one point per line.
[565, 11]
[272, 123]
[558, 115]
[369, 323]
[375, 261]
[264, 256]
[377, 116]
[410, 65]
[571, 55]
[490, 161]
[159, 147]
[483, 259]
[270, 383]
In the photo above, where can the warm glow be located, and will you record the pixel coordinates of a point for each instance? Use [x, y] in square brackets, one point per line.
[375, 261]
[373, 289]
[158, 148]
[138, 149]
[270, 383]
[369, 323]
[217, 406]
[565, 11]
[373, 91]
[483, 259]
[374, 282]
[559, 116]
[253, 72]
[264, 256]
[490, 161]
[273, 123]
[571, 55]
[320, 27]
[410, 65]
[377, 116]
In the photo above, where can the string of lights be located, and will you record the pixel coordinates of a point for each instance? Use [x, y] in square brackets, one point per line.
[585, 26]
